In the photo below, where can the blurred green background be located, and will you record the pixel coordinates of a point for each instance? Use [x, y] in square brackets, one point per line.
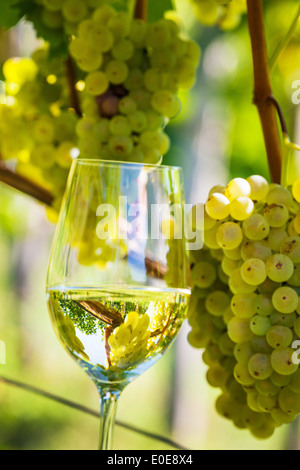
[217, 136]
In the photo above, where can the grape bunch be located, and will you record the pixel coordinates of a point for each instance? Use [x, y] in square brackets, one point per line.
[226, 14]
[244, 310]
[133, 72]
[36, 109]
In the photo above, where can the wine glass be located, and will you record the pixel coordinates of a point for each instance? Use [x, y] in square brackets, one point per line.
[117, 283]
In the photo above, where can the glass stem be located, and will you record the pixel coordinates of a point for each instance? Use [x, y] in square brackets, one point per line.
[108, 402]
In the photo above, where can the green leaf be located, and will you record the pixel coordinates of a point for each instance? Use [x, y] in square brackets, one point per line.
[157, 8]
[10, 13]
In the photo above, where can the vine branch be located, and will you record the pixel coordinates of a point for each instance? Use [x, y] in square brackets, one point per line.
[141, 7]
[71, 78]
[84, 409]
[263, 89]
[26, 186]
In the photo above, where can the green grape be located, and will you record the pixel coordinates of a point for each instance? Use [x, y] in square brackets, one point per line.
[285, 299]
[229, 235]
[229, 265]
[210, 237]
[280, 417]
[267, 388]
[119, 24]
[116, 71]
[276, 237]
[281, 319]
[154, 79]
[279, 195]
[166, 103]
[279, 337]
[259, 325]
[260, 345]
[242, 375]
[218, 206]
[294, 281]
[137, 121]
[239, 330]
[256, 227]
[264, 431]
[204, 274]
[96, 83]
[231, 254]
[119, 126]
[103, 14]
[243, 352]
[226, 345]
[44, 130]
[135, 80]
[216, 376]
[267, 404]
[151, 138]
[243, 305]
[291, 248]
[289, 401]
[120, 146]
[294, 383]
[138, 31]
[263, 305]
[74, 10]
[297, 326]
[241, 208]
[296, 190]
[276, 215]
[217, 302]
[281, 360]
[253, 271]
[158, 34]
[101, 37]
[127, 106]
[255, 249]
[197, 338]
[259, 187]
[43, 156]
[252, 402]
[280, 380]
[236, 188]
[237, 284]
[279, 268]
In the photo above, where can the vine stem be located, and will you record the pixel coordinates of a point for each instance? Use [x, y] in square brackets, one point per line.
[71, 78]
[26, 186]
[263, 89]
[76, 406]
[141, 7]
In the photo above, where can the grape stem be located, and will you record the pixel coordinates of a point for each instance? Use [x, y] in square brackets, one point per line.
[24, 185]
[141, 7]
[263, 89]
[71, 78]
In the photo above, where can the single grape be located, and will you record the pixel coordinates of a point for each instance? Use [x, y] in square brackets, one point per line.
[255, 249]
[237, 284]
[243, 352]
[204, 274]
[279, 195]
[282, 363]
[259, 187]
[276, 215]
[260, 325]
[291, 248]
[238, 187]
[285, 299]
[229, 235]
[239, 330]
[275, 238]
[256, 227]
[253, 271]
[279, 337]
[263, 305]
[241, 208]
[279, 268]
[217, 206]
[242, 375]
[217, 302]
[243, 305]
[289, 401]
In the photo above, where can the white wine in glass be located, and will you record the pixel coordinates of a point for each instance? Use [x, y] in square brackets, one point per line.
[117, 281]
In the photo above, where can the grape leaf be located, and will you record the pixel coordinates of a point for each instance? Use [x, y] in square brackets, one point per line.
[157, 8]
[10, 13]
